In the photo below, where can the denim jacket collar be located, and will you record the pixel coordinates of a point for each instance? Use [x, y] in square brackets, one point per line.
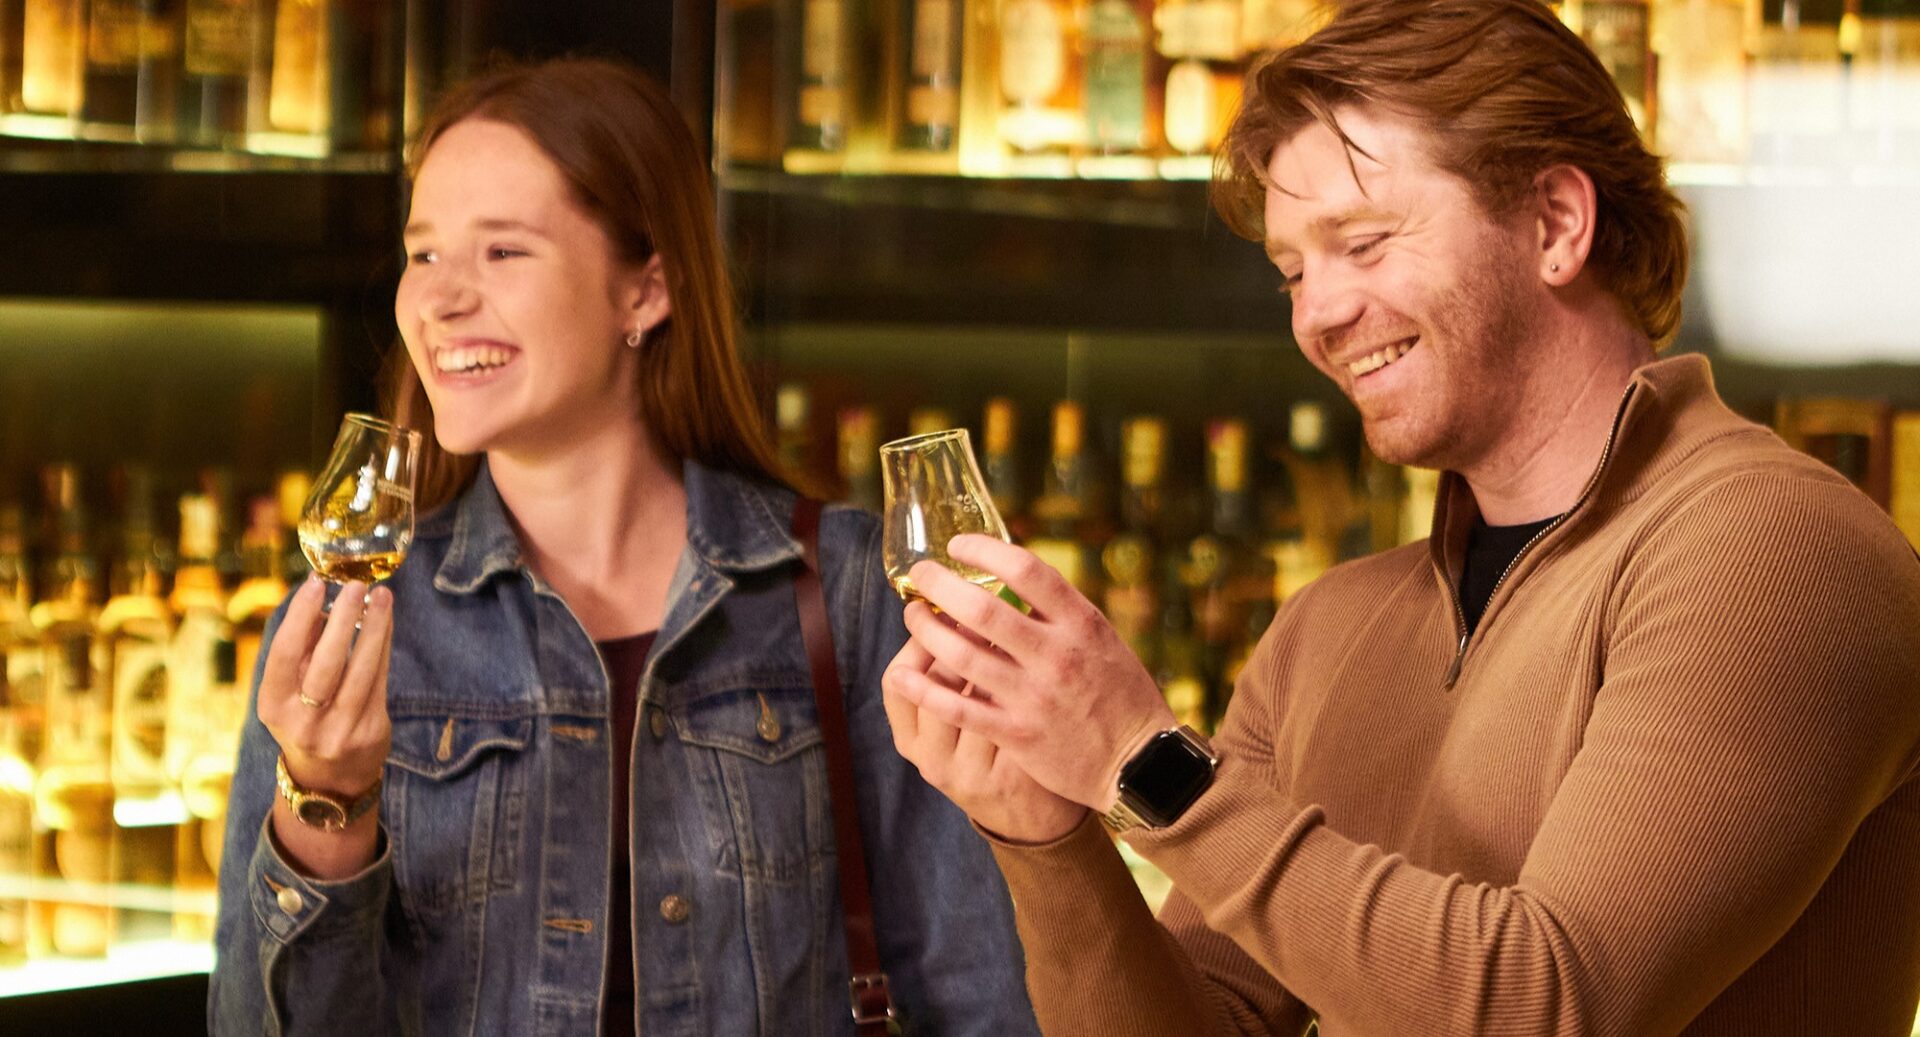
[734, 524]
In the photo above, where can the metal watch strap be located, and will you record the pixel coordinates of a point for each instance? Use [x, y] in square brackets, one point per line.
[1121, 818]
[294, 794]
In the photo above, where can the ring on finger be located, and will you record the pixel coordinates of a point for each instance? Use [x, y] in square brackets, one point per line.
[313, 703]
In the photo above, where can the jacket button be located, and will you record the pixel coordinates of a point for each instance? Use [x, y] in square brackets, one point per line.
[657, 722]
[675, 909]
[289, 900]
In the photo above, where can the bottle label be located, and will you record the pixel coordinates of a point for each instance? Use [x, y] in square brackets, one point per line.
[113, 34]
[1033, 51]
[1216, 29]
[932, 106]
[219, 37]
[1116, 76]
[933, 40]
[139, 711]
[1192, 108]
[821, 41]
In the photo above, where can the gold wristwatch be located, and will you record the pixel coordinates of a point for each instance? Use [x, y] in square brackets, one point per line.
[322, 811]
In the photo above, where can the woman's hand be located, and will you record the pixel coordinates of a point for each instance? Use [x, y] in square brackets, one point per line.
[323, 697]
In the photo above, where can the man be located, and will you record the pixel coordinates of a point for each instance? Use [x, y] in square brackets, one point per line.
[1627, 748]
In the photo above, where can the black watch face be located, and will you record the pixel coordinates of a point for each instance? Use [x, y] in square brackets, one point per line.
[321, 814]
[1165, 778]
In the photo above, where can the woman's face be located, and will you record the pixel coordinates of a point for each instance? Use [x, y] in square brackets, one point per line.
[513, 305]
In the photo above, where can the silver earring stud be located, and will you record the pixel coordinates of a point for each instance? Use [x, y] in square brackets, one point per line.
[634, 338]
[1555, 268]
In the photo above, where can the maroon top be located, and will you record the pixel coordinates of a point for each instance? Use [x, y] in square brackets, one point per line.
[626, 659]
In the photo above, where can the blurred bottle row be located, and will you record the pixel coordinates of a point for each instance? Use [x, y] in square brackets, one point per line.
[1146, 87]
[1190, 542]
[121, 701]
[305, 76]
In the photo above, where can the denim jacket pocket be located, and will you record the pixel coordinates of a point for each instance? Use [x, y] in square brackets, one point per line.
[759, 767]
[455, 800]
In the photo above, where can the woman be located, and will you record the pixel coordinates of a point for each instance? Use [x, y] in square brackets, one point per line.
[604, 806]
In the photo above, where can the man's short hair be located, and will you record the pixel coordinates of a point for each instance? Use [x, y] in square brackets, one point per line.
[1504, 91]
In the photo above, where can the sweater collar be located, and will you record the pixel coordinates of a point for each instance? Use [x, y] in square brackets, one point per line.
[1667, 412]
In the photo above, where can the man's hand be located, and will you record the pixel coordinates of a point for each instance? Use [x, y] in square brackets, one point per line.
[966, 767]
[1056, 691]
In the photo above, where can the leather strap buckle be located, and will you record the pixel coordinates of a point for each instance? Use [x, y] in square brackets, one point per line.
[872, 1002]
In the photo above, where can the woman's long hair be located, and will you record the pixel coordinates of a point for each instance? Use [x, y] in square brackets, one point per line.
[634, 167]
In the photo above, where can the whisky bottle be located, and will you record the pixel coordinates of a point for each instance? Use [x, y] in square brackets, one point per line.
[1883, 101]
[923, 421]
[20, 724]
[53, 56]
[133, 67]
[1273, 24]
[1132, 560]
[219, 55]
[1000, 465]
[1903, 493]
[205, 660]
[1063, 505]
[859, 453]
[1224, 576]
[1178, 658]
[1040, 77]
[73, 793]
[13, 41]
[20, 656]
[1200, 42]
[824, 98]
[260, 592]
[1620, 34]
[130, 654]
[199, 605]
[1701, 86]
[1305, 541]
[793, 431]
[1796, 85]
[299, 88]
[929, 116]
[291, 492]
[1116, 69]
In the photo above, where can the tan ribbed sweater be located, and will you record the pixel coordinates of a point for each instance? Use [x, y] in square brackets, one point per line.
[1672, 790]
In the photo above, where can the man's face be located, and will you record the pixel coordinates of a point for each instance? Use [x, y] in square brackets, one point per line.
[1406, 293]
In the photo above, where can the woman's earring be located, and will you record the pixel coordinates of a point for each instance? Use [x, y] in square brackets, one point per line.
[634, 338]
[1555, 268]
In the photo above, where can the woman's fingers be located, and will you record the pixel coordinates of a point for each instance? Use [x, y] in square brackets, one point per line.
[327, 665]
[368, 657]
[293, 642]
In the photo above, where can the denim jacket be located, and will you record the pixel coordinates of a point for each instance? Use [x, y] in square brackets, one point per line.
[486, 910]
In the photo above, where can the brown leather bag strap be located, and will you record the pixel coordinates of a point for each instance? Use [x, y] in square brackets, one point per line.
[867, 989]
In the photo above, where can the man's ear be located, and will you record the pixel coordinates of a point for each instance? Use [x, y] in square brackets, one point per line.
[1565, 209]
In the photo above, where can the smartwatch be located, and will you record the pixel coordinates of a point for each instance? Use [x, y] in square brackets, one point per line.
[1162, 780]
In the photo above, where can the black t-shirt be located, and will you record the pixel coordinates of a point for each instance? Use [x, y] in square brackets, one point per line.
[1490, 549]
[626, 660]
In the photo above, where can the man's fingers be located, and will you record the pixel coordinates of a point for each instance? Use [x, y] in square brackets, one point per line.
[1038, 584]
[973, 607]
[962, 656]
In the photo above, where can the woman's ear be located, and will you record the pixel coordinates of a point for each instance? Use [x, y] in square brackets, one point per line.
[647, 300]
